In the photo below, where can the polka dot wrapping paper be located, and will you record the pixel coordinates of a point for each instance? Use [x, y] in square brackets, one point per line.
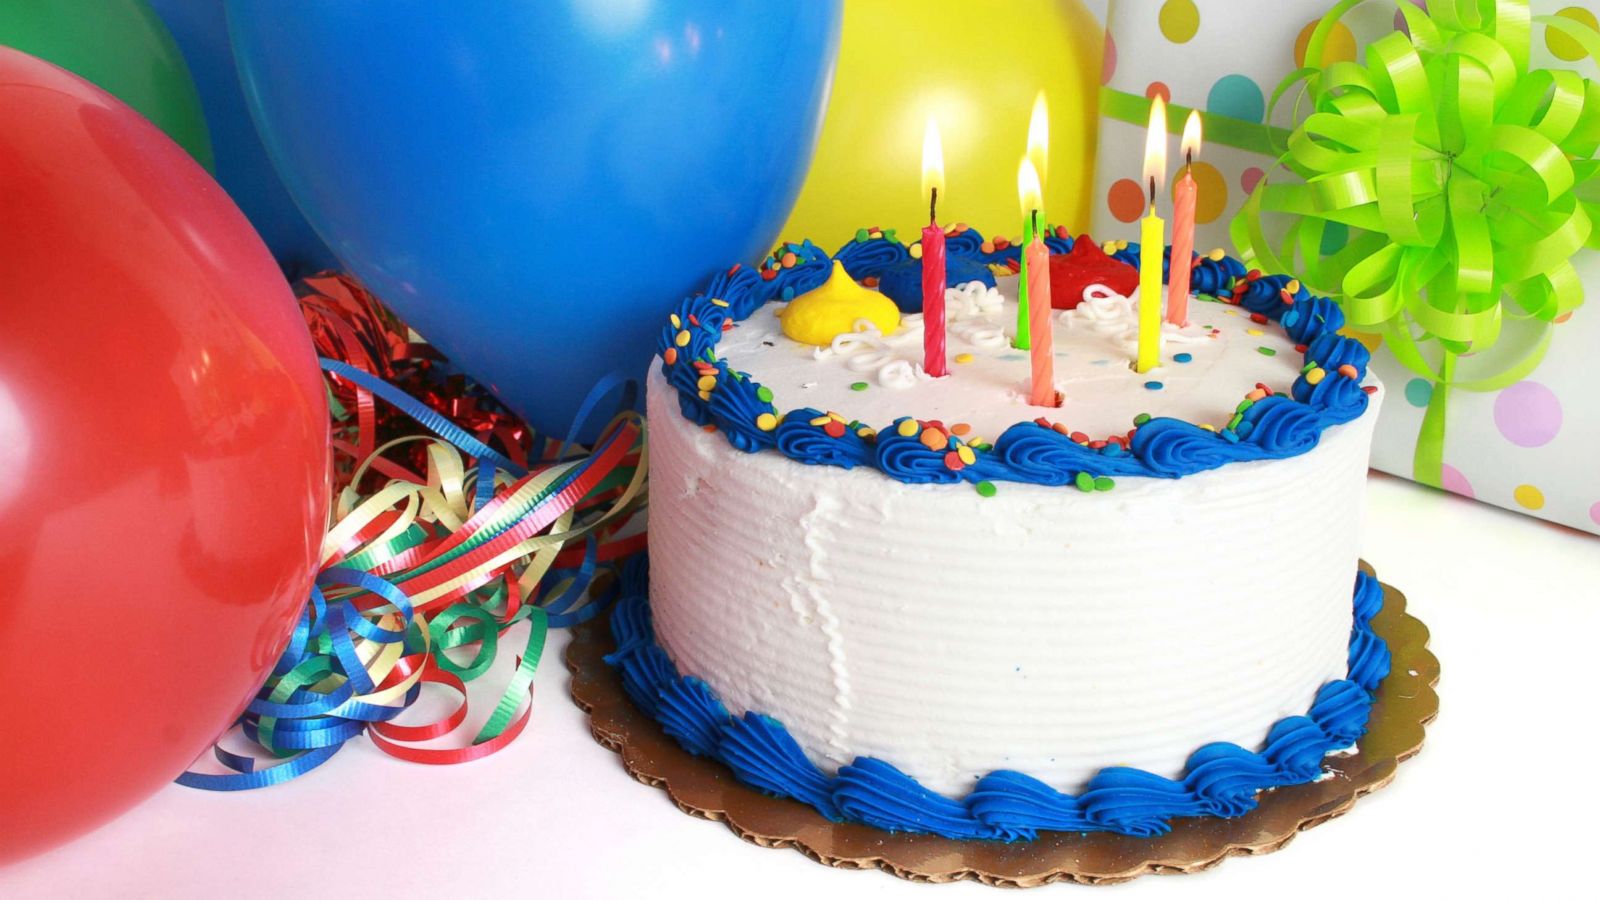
[1220, 57]
[1532, 447]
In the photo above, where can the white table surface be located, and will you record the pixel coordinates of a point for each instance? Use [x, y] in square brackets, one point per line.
[1503, 796]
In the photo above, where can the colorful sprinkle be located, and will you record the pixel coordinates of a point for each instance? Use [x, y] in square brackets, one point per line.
[934, 439]
[682, 340]
[1141, 418]
[706, 382]
[1253, 332]
[1084, 482]
[1349, 372]
[963, 358]
[670, 356]
[1266, 351]
[1183, 357]
[1104, 483]
[1154, 385]
[907, 428]
[1316, 375]
[834, 428]
[984, 488]
[953, 461]
[966, 454]
[676, 322]
[764, 394]
[766, 421]
[859, 386]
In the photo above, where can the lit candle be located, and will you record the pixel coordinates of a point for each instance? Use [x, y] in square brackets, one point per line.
[933, 277]
[1152, 238]
[1038, 152]
[1042, 390]
[1183, 197]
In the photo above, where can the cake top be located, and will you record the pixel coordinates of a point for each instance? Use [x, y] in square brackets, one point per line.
[1257, 374]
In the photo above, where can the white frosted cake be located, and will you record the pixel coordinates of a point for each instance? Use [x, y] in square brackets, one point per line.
[924, 604]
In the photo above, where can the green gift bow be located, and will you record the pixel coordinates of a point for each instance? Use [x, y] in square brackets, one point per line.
[1466, 179]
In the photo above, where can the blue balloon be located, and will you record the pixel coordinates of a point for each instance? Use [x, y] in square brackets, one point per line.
[533, 185]
[243, 169]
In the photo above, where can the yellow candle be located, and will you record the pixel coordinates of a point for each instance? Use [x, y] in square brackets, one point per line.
[1152, 242]
[1152, 236]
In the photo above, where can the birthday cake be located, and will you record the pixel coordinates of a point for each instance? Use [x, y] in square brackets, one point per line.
[926, 604]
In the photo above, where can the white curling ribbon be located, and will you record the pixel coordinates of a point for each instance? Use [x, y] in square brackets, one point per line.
[971, 309]
[865, 349]
[971, 300]
[862, 336]
[1103, 311]
[1116, 316]
[901, 374]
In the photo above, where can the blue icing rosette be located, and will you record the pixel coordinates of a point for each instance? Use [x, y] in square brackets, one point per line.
[1311, 317]
[899, 273]
[1034, 453]
[911, 461]
[811, 444]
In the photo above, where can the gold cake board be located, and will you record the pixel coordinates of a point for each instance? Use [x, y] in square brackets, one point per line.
[700, 787]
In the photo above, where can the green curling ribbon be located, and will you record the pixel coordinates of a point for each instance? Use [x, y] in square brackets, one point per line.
[1467, 182]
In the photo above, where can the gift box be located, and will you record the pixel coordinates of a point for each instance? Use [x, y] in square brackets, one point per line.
[1223, 58]
[1489, 393]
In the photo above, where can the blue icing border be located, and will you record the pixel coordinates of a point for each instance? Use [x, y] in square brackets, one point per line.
[1220, 779]
[1028, 452]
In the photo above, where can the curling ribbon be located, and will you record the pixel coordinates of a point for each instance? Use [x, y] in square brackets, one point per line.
[1466, 179]
[418, 565]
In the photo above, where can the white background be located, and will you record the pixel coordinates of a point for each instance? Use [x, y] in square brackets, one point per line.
[1502, 797]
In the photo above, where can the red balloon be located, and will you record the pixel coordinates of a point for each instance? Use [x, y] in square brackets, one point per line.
[163, 458]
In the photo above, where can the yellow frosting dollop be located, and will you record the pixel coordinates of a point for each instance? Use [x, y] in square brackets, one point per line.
[832, 309]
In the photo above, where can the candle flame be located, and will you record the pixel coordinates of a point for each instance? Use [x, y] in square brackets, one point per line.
[1155, 147]
[1190, 146]
[932, 160]
[1039, 137]
[1029, 193]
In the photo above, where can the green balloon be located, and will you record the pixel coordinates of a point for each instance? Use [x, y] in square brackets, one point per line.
[122, 46]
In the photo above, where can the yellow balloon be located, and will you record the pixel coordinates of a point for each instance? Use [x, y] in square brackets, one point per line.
[976, 68]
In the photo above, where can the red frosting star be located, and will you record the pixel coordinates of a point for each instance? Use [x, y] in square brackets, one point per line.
[1085, 264]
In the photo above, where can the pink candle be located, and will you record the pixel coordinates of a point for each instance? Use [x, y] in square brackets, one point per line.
[1178, 270]
[1183, 200]
[933, 300]
[1042, 345]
